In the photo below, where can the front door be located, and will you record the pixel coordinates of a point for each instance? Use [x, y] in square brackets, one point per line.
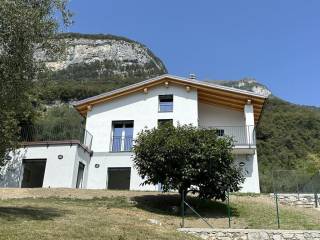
[80, 175]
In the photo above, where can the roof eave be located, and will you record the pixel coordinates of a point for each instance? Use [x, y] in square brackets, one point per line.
[185, 80]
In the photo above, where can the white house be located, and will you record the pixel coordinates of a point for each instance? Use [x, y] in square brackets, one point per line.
[103, 158]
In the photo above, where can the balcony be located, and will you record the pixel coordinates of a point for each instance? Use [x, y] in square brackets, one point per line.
[55, 134]
[121, 144]
[244, 137]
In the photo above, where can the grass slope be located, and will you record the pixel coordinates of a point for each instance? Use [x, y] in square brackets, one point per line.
[100, 214]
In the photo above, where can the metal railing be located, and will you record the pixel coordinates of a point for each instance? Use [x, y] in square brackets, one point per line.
[121, 144]
[58, 132]
[242, 135]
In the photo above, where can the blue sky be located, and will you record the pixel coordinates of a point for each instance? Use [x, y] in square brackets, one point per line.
[275, 41]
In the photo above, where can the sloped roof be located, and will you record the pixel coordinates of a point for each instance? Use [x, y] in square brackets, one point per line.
[207, 93]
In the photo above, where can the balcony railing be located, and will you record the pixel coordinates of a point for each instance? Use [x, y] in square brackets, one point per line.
[56, 133]
[241, 135]
[121, 144]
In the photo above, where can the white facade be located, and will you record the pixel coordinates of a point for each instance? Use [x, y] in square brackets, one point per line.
[61, 165]
[104, 167]
[142, 109]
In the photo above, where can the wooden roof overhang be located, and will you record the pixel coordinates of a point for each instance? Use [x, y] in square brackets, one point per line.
[207, 93]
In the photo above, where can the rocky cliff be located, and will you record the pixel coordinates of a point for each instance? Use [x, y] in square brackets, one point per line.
[249, 84]
[87, 49]
[92, 64]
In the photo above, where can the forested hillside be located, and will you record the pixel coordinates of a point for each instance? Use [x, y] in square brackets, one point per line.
[288, 135]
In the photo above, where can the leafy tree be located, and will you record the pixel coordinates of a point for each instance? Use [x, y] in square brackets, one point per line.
[25, 26]
[187, 159]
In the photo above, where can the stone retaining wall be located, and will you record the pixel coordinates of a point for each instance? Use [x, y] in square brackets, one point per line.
[251, 234]
[300, 200]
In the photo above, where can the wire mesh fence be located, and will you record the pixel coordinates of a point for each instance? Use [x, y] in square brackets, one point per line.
[293, 181]
[293, 205]
[298, 189]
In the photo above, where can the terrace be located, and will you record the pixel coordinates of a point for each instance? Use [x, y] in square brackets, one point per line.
[56, 134]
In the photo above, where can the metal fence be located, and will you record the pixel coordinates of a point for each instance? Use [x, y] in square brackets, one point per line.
[294, 181]
[295, 188]
[58, 132]
[294, 204]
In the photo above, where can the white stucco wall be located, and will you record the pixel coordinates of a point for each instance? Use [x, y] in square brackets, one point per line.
[98, 176]
[250, 172]
[210, 115]
[58, 172]
[84, 157]
[143, 110]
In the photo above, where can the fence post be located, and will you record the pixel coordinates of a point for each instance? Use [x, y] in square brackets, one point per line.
[277, 207]
[182, 209]
[297, 184]
[316, 199]
[228, 206]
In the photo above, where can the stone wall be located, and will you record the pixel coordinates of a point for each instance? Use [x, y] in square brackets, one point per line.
[251, 234]
[300, 200]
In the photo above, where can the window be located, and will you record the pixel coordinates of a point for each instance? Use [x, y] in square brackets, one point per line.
[220, 132]
[162, 122]
[122, 136]
[165, 103]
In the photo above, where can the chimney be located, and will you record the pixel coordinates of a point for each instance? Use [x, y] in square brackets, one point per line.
[192, 76]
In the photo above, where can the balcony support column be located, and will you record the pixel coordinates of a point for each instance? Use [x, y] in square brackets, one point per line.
[249, 121]
[251, 183]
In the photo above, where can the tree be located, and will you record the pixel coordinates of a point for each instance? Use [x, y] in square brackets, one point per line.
[187, 159]
[26, 26]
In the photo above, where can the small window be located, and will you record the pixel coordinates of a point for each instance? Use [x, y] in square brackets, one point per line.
[162, 122]
[220, 132]
[165, 103]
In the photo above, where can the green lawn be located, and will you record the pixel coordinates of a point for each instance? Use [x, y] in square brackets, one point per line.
[52, 218]
[126, 215]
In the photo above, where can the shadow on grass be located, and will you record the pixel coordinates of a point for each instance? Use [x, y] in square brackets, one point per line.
[29, 213]
[170, 205]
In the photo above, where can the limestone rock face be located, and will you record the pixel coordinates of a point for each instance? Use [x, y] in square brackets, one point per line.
[249, 84]
[86, 50]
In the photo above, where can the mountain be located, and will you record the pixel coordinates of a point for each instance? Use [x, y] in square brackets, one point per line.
[249, 84]
[92, 64]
